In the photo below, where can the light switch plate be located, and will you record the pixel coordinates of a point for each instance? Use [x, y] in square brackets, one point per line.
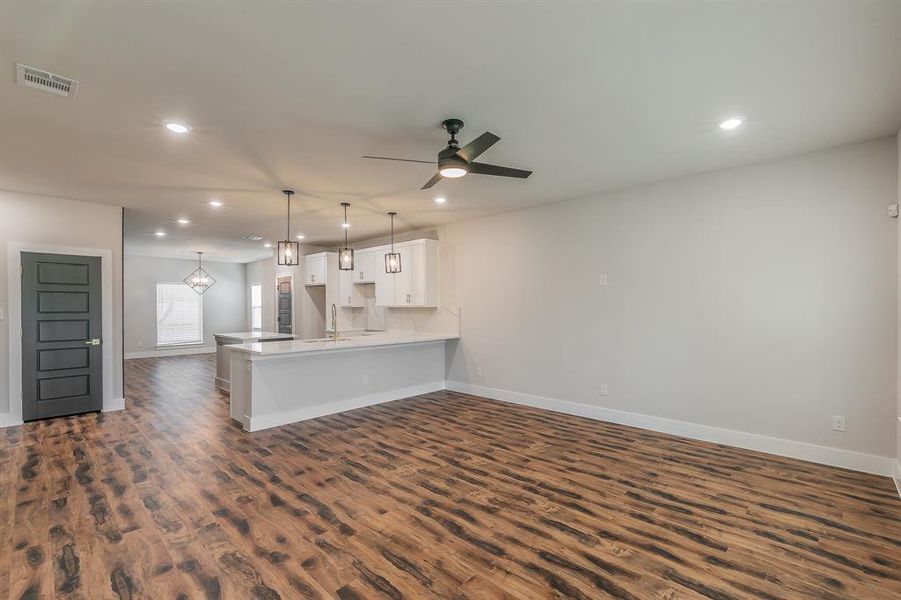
[603, 279]
[2, 314]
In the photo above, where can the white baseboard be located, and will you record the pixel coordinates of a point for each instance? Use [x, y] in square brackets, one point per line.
[172, 352]
[836, 457]
[321, 410]
[7, 420]
[114, 404]
[896, 476]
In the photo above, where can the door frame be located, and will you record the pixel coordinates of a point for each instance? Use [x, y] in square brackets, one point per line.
[14, 252]
[293, 322]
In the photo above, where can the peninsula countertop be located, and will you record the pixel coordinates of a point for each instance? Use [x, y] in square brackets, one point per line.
[252, 336]
[367, 340]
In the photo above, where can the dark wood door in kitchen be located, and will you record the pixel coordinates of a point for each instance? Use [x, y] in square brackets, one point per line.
[61, 335]
[285, 303]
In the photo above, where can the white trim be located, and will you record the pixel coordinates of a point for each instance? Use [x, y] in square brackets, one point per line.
[7, 420]
[313, 412]
[14, 294]
[171, 352]
[114, 404]
[896, 476]
[836, 457]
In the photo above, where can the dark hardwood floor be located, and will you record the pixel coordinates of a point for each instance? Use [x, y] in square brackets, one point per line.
[439, 496]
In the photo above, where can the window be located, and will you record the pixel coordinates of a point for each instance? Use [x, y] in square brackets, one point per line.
[256, 306]
[179, 315]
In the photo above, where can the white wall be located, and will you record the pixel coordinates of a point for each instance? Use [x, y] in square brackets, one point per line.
[761, 299]
[224, 305]
[35, 219]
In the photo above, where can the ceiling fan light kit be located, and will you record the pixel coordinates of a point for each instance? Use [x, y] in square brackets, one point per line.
[288, 251]
[454, 161]
[392, 259]
[345, 254]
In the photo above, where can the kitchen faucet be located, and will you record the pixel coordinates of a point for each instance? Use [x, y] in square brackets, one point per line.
[335, 323]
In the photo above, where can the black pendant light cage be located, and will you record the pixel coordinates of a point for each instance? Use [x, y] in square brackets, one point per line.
[345, 254]
[288, 251]
[199, 280]
[392, 259]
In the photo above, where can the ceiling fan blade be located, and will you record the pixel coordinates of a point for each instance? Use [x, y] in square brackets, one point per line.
[432, 181]
[471, 151]
[484, 169]
[425, 162]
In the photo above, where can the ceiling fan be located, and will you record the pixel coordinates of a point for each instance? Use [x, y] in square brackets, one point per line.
[455, 161]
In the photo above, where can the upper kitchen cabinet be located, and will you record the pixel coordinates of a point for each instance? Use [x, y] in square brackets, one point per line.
[315, 267]
[348, 292]
[417, 283]
[365, 264]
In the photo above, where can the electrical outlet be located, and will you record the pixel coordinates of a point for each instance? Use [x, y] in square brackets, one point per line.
[603, 279]
[893, 211]
[478, 371]
[838, 423]
[603, 390]
[365, 378]
[2, 315]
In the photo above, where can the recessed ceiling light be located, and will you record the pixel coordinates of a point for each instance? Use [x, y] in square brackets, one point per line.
[267, 245]
[215, 203]
[176, 127]
[253, 238]
[731, 123]
[301, 236]
[160, 234]
[183, 221]
[440, 199]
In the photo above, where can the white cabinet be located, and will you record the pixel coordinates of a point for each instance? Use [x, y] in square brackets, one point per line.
[348, 294]
[315, 269]
[365, 263]
[417, 283]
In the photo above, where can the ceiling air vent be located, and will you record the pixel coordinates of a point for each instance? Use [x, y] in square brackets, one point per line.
[46, 81]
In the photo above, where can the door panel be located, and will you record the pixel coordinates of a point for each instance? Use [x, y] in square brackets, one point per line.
[64, 358]
[67, 330]
[61, 315]
[285, 310]
[62, 302]
[50, 272]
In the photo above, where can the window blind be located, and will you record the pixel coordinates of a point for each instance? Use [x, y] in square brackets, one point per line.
[179, 315]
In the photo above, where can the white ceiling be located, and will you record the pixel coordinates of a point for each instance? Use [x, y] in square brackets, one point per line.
[591, 96]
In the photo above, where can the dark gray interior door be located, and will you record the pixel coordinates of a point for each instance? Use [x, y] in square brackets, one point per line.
[61, 335]
[284, 305]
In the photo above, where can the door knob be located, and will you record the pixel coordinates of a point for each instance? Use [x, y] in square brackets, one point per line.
[93, 342]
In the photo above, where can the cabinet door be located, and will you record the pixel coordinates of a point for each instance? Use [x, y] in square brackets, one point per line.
[315, 270]
[410, 282]
[384, 287]
[365, 266]
[348, 294]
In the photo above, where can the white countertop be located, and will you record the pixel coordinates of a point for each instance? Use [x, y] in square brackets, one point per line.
[249, 336]
[271, 349]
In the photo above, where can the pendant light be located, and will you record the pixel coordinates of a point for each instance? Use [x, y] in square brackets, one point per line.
[392, 259]
[199, 280]
[288, 251]
[345, 254]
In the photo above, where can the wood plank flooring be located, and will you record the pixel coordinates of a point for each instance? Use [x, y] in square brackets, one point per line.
[439, 496]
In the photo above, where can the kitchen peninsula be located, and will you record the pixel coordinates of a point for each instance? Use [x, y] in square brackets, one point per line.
[282, 382]
[223, 340]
